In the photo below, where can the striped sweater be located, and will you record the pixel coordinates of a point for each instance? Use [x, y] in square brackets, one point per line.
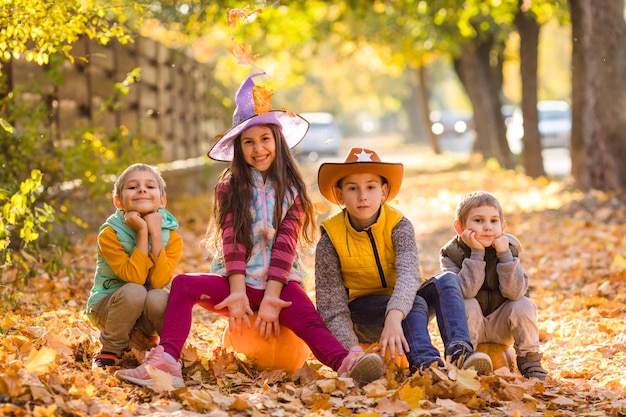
[274, 255]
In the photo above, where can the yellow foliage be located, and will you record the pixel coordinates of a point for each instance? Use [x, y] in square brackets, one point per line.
[412, 395]
[40, 361]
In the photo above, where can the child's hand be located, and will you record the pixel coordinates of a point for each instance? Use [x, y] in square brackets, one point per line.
[501, 243]
[267, 319]
[239, 311]
[134, 220]
[392, 336]
[154, 222]
[469, 237]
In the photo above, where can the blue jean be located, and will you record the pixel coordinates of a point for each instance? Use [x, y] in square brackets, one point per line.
[441, 296]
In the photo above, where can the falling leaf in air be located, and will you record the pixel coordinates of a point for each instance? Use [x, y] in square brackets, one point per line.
[243, 52]
[233, 16]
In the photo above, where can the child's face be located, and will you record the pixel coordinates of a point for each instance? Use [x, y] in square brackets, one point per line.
[140, 193]
[485, 221]
[259, 148]
[362, 194]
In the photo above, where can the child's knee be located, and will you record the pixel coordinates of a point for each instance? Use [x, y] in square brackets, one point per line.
[156, 302]
[132, 294]
[420, 305]
[472, 307]
[523, 309]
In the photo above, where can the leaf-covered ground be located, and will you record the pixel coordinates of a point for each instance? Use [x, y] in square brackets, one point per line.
[573, 251]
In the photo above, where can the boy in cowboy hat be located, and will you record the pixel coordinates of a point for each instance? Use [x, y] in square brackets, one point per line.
[367, 273]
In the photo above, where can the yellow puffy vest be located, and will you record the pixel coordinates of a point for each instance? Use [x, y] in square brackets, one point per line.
[367, 258]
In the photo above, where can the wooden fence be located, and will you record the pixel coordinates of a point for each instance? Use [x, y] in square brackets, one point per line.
[171, 103]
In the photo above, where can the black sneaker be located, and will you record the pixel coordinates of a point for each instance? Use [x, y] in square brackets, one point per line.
[104, 360]
[530, 366]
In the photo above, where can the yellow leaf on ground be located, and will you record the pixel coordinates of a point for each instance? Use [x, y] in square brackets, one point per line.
[49, 411]
[393, 407]
[321, 402]
[162, 380]
[618, 264]
[411, 395]
[467, 382]
[40, 361]
[239, 404]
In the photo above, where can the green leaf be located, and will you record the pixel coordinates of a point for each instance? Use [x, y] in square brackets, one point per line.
[6, 125]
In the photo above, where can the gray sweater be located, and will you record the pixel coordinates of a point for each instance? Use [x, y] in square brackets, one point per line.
[512, 278]
[331, 296]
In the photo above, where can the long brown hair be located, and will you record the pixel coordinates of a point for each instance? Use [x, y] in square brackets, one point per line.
[239, 181]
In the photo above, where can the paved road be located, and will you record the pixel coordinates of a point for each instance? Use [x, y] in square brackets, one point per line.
[556, 161]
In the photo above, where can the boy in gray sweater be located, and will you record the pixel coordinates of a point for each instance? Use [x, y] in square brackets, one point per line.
[367, 275]
[494, 283]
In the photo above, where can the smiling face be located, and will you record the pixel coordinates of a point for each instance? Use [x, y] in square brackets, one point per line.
[485, 221]
[362, 194]
[258, 146]
[140, 192]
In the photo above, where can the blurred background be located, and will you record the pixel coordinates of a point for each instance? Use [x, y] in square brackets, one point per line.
[87, 88]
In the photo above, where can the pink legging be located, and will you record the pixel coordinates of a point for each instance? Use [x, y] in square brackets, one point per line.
[301, 317]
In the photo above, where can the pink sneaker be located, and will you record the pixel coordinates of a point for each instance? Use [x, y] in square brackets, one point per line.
[360, 366]
[154, 358]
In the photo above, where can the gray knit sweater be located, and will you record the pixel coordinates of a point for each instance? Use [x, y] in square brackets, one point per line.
[331, 296]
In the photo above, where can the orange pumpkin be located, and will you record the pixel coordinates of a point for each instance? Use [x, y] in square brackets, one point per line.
[501, 355]
[401, 361]
[287, 351]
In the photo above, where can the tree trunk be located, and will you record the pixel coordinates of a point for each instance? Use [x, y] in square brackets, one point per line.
[598, 94]
[423, 97]
[416, 133]
[476, 74]
[528, 30]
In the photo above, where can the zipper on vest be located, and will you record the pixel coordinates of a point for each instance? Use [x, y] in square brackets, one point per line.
[383, 281]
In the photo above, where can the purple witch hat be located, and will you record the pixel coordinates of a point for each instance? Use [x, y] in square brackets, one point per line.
[293, 126]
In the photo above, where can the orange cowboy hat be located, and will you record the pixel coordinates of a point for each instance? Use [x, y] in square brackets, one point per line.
[359, 161]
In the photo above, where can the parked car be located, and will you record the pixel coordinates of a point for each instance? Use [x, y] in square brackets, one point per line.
[555, 123]
[323, 138]
[555, 126]
[450, 122]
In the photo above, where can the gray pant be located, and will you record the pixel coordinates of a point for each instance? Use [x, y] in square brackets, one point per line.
[513, 323]
[131, 306]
